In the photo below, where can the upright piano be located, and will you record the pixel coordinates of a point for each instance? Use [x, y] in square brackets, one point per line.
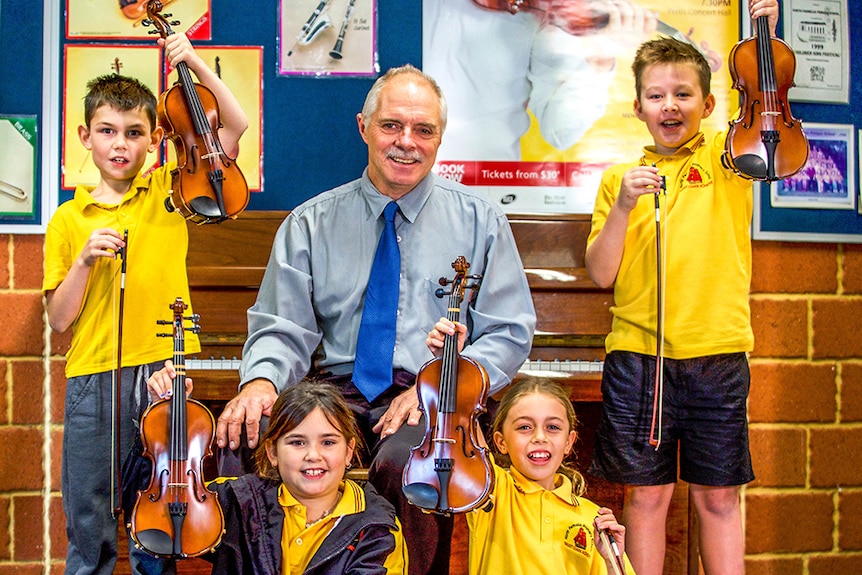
[226, 264]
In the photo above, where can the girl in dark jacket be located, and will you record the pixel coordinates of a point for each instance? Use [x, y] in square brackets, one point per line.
[299, 514]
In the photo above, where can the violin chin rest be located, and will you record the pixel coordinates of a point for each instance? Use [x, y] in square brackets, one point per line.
[156, 542]
[751, 165]
[422, 495]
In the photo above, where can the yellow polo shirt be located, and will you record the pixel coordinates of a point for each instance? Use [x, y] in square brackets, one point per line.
[705, 228]
[155, 275]
[299, 543]
[533, 531]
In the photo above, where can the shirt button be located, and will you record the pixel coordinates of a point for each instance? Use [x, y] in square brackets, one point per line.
[547, 519]
[398, 239]
[299, 540]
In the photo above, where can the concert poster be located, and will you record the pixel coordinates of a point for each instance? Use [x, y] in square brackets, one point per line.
[82, 63]
[241, 69]
[539, 108]
[328, 38]
[126, 19]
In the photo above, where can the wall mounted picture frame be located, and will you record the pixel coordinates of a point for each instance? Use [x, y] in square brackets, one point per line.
[826, 181]
[817, 30]
[19, 193]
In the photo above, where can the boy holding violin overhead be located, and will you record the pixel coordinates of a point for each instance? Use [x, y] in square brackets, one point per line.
[89, 267]
[670, 232]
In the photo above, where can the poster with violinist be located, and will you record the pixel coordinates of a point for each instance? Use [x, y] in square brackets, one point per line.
[82, 63]
[126, 19]
[540, 101]
[328, 38]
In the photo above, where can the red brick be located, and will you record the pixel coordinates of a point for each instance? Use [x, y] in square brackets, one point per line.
[4, 396]
[58, 390]
[835, 564]
[5, 529]
[791, 392]
[5, 243]
[774, 566]
[23, 326]
[59, 541]
[780, 327]
[60, 342]
[791, 267]
[835, 322]
[27, 261]
[774, 522]
[28, 396]
[56, 458]
[851, 392]
[20, 470]
[779, 457]
[27, 515]
[21, 569]
[852, 277]
[849, 512]
[835, 456]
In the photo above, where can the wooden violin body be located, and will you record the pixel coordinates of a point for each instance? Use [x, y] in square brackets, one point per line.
[765, 142]
[177, 516]
[449, 472]
[207, 186]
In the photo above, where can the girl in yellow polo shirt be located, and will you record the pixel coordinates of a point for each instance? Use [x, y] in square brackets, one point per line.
[539, 522]
[299, 514]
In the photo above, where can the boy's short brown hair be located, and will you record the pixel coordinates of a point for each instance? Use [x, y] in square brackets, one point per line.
[670, 51]
[120, 92]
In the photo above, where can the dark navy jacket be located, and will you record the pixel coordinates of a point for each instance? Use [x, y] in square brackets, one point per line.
[359, 544]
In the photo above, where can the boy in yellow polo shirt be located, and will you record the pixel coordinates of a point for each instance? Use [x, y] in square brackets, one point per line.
[701, 313]
[82, 282]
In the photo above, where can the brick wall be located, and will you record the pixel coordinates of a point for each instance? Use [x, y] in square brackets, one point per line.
[803, 514]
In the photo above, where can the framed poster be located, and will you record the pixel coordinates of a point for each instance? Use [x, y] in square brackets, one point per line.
[19, 145]
[127, 19]
[327, 38]
[818, 32]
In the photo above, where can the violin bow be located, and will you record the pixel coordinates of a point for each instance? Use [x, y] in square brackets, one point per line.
[658, 385]
[116, 469]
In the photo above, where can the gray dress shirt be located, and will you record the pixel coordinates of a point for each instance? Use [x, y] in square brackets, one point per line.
[313, 290]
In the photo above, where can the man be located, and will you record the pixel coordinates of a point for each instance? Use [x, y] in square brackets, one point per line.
[313, 293]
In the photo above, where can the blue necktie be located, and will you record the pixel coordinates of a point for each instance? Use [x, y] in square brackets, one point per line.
[372, 369]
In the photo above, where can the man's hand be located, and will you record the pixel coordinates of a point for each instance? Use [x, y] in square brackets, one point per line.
[403, 408]
[254, 400]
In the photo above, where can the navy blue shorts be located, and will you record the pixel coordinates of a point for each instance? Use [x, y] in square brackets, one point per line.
[704, 421]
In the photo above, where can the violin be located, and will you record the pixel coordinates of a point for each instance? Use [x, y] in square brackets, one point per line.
[765, 142]
[208, 186]
[449, 472]
[587, 17]
[177, 516]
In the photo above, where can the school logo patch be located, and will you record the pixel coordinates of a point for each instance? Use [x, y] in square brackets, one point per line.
[579, 537]
[698, 177]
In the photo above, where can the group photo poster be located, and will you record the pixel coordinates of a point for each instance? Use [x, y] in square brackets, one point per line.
[328, 38]
[541, 104]
[128, 19]
[828, 179]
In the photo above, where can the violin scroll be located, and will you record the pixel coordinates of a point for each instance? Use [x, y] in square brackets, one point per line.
[208, 186]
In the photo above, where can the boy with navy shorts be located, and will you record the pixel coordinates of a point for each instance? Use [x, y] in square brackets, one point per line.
[697, 421]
